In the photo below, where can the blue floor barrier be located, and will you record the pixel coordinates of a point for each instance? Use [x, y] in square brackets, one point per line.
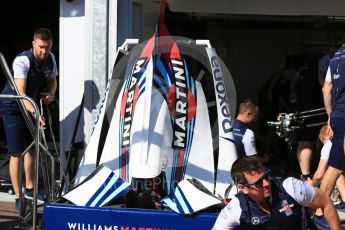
[58, 216]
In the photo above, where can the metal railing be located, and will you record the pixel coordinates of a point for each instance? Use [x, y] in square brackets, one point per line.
[35, 132]
[36, 135]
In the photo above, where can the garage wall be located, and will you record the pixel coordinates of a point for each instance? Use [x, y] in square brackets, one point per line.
[253, 55]
[267, 7]
[91, 30]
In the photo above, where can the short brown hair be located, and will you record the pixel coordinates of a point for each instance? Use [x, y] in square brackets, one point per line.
[247, 105]
[323, 132]
[244, 165]
[43, 34]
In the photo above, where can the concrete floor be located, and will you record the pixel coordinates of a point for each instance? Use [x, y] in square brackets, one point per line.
[8, 216]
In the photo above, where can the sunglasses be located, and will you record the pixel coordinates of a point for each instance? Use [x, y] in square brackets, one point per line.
[260, 182]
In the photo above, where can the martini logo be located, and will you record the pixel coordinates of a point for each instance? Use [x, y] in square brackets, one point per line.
[181, 115]
[129, 100]
[286, 208]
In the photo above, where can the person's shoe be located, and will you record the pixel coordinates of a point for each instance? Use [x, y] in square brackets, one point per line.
[29, 194]
[320, 221]
[340, 205]
[17, 204]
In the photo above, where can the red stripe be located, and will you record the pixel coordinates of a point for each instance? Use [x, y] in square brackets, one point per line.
[179, 165]
[167, 45]
[191, 105]
[148, 48]
[123, 104]
[124, 164]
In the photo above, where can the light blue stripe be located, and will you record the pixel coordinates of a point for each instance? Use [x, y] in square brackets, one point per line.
[142, 84]
[238, 135]
[142, 77]
[170, 204]
[116, 192]
[128, 80]
[162, 69]
[106, 188]
[181, 201]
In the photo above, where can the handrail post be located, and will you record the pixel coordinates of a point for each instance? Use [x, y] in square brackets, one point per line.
[36, 160]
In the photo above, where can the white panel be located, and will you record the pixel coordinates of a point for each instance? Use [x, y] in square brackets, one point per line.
[113, 44]
[72, 67]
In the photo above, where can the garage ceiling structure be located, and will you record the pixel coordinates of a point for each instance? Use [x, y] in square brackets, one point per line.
[268, 30]
[19, 19]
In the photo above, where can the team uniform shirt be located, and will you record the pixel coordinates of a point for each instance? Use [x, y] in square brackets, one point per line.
[326, 149]
[244, 139]
[35, 72]
[336, 77]
[328, 76]
[287, 202]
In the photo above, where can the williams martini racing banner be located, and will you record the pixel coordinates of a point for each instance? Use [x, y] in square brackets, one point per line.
[87, 218]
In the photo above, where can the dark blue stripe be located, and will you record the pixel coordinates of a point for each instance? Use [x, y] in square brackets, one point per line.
[141, 92]
[185, 201]
[164, 73]
[100, 189]
[142, 83]
[173, 171]
[159, 85]
[178, 205]
[120, 142]
[116, 185]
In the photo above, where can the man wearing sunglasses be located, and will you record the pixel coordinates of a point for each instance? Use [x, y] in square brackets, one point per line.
[264, 202]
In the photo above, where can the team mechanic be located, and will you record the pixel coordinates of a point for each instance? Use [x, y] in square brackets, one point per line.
[33, 70]
[271, 203]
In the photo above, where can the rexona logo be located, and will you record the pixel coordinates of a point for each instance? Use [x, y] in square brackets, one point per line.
[84, 226]
[222, 100]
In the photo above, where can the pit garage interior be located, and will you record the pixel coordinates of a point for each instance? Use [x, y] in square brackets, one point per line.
[254, 39]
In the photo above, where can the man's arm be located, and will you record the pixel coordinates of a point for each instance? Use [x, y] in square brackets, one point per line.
[21, 86]
[321, 200]
[48, 97]
[309, 196]
[327, 99]
[248, 142]
[327, 96]
[229, 217]
[320, 171]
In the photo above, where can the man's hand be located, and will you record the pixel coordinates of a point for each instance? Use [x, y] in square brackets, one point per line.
[329, 131]
[41, 120]
[47, 97]
[309, 181]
